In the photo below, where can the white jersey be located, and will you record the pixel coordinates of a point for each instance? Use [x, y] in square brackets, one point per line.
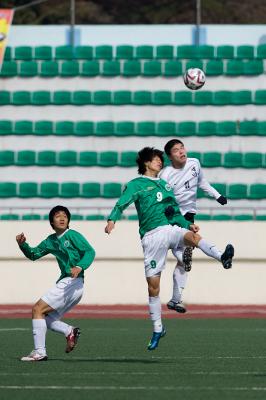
[185, 182]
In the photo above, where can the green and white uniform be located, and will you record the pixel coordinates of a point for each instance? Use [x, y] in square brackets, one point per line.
[151, 197]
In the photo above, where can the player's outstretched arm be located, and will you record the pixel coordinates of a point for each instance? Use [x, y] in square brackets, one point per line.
[109, 227]
[21, 238]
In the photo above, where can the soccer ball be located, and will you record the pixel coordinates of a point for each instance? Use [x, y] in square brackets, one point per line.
[194, 78]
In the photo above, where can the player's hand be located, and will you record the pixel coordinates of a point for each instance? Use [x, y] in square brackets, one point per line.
[222, 200]
[194, 228]
[75, 271]
[21, 238]
[109, 227]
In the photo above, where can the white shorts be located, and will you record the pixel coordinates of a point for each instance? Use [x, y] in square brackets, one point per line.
[64, 295]
[156, 244]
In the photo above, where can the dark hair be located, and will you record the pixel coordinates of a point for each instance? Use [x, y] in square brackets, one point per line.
[55, 210]
[169, 145]
[147, 154]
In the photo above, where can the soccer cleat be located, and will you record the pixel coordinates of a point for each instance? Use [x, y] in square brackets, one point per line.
[187, 258]
[226, 257]
[178, 307]
[156, 336]
[35, 356]
[72, 339]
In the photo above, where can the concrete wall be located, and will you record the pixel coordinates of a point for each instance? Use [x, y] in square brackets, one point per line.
[117, 274]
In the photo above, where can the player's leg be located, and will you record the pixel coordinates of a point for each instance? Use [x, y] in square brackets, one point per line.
[179, 284]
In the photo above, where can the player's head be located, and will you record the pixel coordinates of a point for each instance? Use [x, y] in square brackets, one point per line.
[176, 152]
[59, 218]
[149, 157]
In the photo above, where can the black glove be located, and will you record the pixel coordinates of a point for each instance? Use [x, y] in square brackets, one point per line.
[222, 200]
[169, 211]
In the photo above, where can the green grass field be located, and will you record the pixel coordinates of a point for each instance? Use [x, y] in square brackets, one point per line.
[197, 359]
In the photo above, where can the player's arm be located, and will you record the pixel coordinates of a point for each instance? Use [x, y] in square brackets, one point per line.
[33, 253]
[87, 253]
[206, 187]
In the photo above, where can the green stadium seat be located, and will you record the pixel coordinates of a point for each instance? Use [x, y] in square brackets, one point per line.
[111, 68]
[105, 128]
[214, 68]
[64, 128]
[128, 159]
[252, 160]
[257, 191]
[103, 52]
[183, 98]
[90, 68]
[122, 97]
[69, 69]
[195, 154]
[234, 68]
[261, 128]
[5, 98]
[41, 98]
[7, 157]
[46, 158]
[124, 128]
[84, 128]
[166, 128]
[69, 189]
[23, 53]
[28, 69]
[248, 128]
[90, 190]
[203, 98]
[95, 217]
[206, 128]
[108, 159]
[194, 64]
[102, 97]
[9, 217]
[260, 217]
[220, 187]
[28, 189]
[61, 98]
[131, 68]
[142, 97]
[49, 69]
[226, 128]
[203, 217]
[243, 217]
[77, 217]
[43, 53]
[233, 159]
[237, 191]
[32, 217]
[49, 190]
[81, 98]
[245, 51]
[221, 217]
[241, 97]
[111, 190]
[211, 159]
[124, 52]
[8, 189]
[225, 52]
[172, 68]
[164, 52]
[152, 68]
[261, 51]
[260, 97]
[186, 128]
[162, 98]
[43, 128]
[26, 158]
[146, 128]
[23, 128]
[187, 51]
[9, 69]
[87, 159]
[83, 52]
[8, 54]
[254, 67]
[67, 158]
[205, 51]
[21, 98]
[6, 127]
[64, 53]
[144, 52]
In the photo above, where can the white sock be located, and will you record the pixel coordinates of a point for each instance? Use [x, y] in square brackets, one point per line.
[39, 330]
[179, 282]
[155, 309]
[58, 326]
[209, 249]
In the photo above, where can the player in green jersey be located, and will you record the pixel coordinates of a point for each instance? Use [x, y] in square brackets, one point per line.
[73, 254]
[161, 227]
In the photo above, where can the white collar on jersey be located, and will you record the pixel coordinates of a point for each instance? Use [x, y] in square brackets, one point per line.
[150, 177]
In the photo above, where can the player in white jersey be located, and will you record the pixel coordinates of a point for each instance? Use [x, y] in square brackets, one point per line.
[185, 176]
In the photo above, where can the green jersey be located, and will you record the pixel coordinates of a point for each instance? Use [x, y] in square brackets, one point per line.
[151, 197]
[70, 249]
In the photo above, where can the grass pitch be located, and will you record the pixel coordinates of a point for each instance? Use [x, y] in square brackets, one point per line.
[214, 359]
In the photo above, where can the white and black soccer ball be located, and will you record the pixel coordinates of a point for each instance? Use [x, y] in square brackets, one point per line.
[194, 78]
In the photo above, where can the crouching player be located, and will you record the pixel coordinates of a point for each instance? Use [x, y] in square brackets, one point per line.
[73, 254]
